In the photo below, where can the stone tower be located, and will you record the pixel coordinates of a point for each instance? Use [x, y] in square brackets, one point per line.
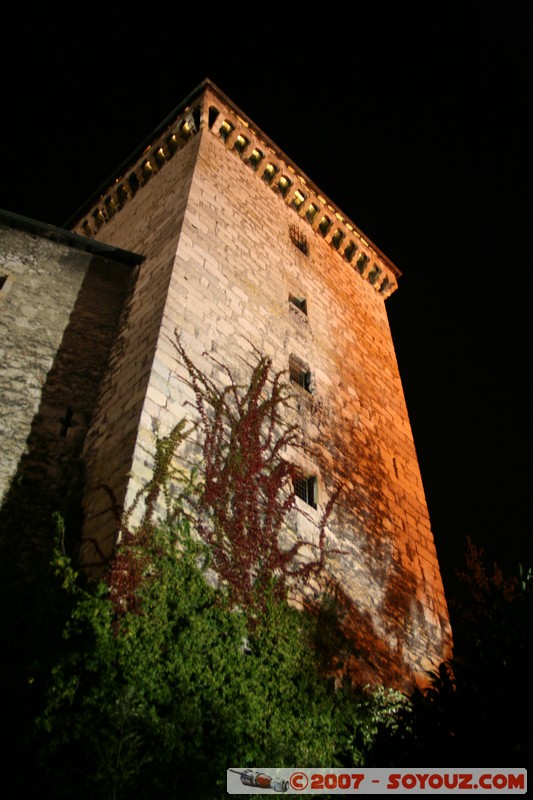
[242, 250]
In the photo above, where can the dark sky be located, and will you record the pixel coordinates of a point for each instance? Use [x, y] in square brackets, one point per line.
[414, 122]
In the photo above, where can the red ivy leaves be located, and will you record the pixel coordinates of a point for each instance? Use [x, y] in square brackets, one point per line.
[240, 506]
[247, 490]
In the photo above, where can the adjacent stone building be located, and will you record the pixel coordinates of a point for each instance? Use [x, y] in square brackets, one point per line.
[61, 298]
[241, 252]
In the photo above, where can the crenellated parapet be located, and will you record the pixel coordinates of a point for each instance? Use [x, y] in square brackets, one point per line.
[208, 108]
[141, 169]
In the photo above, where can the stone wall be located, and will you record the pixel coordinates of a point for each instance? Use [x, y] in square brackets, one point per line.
[236, 267]
[224, 261]
[149, 224]
[60, 307]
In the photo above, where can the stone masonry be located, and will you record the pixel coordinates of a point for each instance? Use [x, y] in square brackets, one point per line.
[60, 304]
[242, 251]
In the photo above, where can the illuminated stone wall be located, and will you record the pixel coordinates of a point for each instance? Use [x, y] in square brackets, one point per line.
[149, 224]
[242, 251]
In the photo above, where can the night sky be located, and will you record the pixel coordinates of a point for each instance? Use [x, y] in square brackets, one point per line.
[413, 122]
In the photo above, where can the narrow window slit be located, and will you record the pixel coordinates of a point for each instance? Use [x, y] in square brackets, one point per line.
[66, 422]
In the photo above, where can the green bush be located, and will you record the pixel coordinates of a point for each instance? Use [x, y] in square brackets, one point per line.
[159, 701]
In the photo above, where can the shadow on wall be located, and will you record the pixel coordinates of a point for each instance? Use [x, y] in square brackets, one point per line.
[49, 479]
[373, 578]
[49, 470]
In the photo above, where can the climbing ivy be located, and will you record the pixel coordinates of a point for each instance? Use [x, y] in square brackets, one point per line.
[186, 658]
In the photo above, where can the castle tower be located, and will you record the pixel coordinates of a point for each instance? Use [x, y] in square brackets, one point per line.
[241, 250]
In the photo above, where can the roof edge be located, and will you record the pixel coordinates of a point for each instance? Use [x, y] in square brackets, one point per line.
[134, 155]
[66, 237]
[207, 85]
